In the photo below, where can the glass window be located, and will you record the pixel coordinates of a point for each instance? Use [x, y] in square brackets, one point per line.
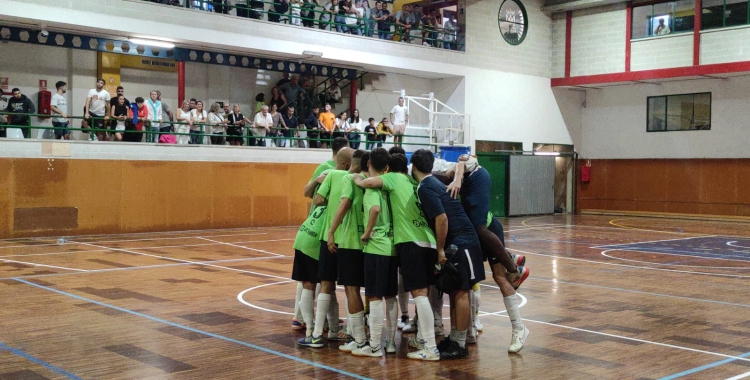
[663, 18]
[721, 13]
[679, 112]
[713, 14]
[735, 12]
[641, 22]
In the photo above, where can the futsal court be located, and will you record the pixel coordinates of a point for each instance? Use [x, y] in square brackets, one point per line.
[608, 298]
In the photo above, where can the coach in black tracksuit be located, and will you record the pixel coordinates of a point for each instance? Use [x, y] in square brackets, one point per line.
[20, 104]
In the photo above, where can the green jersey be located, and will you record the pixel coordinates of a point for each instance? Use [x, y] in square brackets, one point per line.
[330, 164]
[381, 239]
[307, 240]
[409, 224]
[330, 189]
[349, 232]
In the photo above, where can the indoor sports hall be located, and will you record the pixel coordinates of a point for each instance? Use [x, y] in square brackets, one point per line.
[156, 159]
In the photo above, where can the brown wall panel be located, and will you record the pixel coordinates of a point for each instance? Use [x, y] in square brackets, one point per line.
[233, 196]
[40, 183]
[191, 198]
[621, 180]
[719, 181]
[743, 182]
[650, 179]
[683, 180]
[650, 206]
[95, 188]
[6, 196]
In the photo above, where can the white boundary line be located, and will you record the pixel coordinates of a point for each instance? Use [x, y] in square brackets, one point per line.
[738, 377]
[240, 297]
[43, 265]
[651, 241]
[604, 253]
[731, 244]
[239, 246]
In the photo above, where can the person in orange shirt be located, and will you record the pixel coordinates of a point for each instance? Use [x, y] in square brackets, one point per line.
[134, 133]
[326, 121]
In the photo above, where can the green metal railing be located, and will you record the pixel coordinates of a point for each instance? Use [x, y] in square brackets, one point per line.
[256, 9]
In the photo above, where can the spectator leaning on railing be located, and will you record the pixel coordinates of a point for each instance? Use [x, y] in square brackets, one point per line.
[262, 125]
[217, 123]
[184, 120]
[290, 125]
[20, 104]
[198, 116]
[155, 116]
[59, 107]
[313, 127]
[96, 107]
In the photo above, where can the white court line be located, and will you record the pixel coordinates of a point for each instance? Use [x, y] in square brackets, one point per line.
[43, 265]
[628, 266]
[651, 241]
[738, 377]
[604, 253]
[239, 246]
[732, 244]
[240, 297]
[171, 238]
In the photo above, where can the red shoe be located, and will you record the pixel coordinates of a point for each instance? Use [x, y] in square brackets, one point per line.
[516, 279]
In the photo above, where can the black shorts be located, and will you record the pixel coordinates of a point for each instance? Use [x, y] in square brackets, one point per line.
[475, 197]
[381, 276]
[325, 135]
[328, 266]
[497, 229]
[234, 134]
[351, 267]
[417, 265]
[305, 268]
[469, 263]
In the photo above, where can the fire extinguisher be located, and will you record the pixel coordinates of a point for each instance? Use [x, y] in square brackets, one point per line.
[586, 172]
[45, 100]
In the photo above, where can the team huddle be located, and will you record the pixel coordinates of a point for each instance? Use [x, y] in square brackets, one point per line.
[375, 225]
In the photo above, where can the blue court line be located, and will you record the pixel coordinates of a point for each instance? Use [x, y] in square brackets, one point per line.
[212, 335]
[704, 367]
[36, 360]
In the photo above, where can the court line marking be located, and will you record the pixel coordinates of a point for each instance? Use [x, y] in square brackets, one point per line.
[604, 253]
[202, 332]
[239, 246]
[702, 368]
[738, 377]
[238, 229]
[650, 241]
[731, 244]
[43, 265]
[170, 238]
[36, 360]
[612, 222]
[240, 297]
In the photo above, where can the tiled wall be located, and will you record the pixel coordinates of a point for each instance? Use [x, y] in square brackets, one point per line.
[662, 52]
[598, 41]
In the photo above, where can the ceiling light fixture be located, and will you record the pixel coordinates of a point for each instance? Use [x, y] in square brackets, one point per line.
[312, 53]
[142, 41]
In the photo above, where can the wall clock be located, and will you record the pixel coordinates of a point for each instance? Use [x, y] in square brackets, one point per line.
[512, 21]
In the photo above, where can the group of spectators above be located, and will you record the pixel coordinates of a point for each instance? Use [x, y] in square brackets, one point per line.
[410, 24]
[273, 122]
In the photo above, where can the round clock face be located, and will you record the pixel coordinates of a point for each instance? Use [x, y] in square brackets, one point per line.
[512, 21]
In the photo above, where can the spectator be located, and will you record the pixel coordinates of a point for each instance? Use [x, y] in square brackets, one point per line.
[276, 99]
[166, 111]
[136, 133]
[227, 110]
[217, 123]
[429, 28]
[326, 123]
[198, 117]
[333, 93]
[262, 125]
[399, 119]
[417, 17]
[329, 10]
[308, 13]
[220, 6]
[236, 122]
[155, 117]
[662, 29]
[371, 17]
[192, 103]
[436, 23]
[355, 128]
[384, 131]
[383, 17]
[450, 30]
[243, 9]
[260, 100]
[280, 7]
[371, 131]
[96, 108]
[258, 8]
[284, 79]
[290, 124]
[342, 126]
[340, 19]
[353, 18]
[119, 114]
[404, 22]
[112, 102]
[296, 6]
[278, 126]
[59, 106]
[312, 127]
[291, 93]
[185, 120]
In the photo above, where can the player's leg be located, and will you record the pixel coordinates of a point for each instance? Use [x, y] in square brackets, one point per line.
[305, 270]
[351, 275]
[296, 324]
[403, 303]
[436, 303]
[391, 315]
[510, 299]
[476, 302]
[417, 265]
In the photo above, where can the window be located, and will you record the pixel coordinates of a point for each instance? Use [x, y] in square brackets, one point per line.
[663, 18]
[721, 13]
[686, 112]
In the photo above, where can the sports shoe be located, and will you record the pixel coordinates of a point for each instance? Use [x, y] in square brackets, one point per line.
[478, 325]
[366, 350]
[311, 341]
[444, 344]
[402, 323]
[424, 355]
[516, 279]
[348, 347]
[453, 352]
[418, 344]
[517, 340]
[520, 260]
[471, 337]
[390, 347]
[340, 334]
[439, 330]
[411, 328]
[297, 325]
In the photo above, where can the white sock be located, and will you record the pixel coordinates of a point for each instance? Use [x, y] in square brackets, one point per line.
[391, 316]
[437, 305]
[403, 297]
[473, 307]
[511, 305]
[461, 338]
[476, 301]
[333, 312]
[358, 327]
[348, 321]
[306, 308]
[324, 302]
[297, 298]
[377, 313]
[426, 322]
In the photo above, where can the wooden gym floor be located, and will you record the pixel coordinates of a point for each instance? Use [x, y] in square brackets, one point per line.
[628, 298]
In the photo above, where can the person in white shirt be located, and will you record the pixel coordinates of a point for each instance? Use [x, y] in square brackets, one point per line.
[662, 29]
[399, 119]
[154, 117]
[96, 107]
[217, 123]
[184, 117]
[59, 107]
[261, 125]
[355, 128]
[198, 118]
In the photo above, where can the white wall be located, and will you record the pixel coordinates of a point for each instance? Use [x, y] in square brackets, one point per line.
[559, 31]
[725, 45]
[662, 52]
[614, 122]
[598, 41]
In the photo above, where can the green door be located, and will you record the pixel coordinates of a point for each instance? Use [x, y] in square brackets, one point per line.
[497, 166]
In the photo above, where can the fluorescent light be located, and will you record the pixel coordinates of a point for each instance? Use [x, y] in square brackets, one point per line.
[312, 53]
[546, 153]
[141, 41]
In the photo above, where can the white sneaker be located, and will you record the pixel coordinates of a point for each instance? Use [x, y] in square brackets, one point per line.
[366, 350]
[339, 334]
[478, 325]
[403, 322]
[390, 347]
[418, 344]
[410, 328]
[439, 330]
[424, 355]
[518, 339]
[471, 337]
[349, 347]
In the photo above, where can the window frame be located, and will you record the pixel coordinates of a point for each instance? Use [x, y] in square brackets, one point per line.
[666, 108]
[724, 17]
[671, 18]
